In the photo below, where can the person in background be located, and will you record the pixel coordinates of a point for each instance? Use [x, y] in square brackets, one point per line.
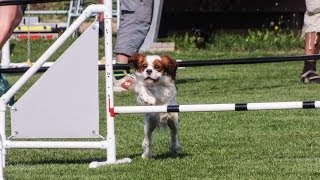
[10, 17]
[135, 21]
[311, 32]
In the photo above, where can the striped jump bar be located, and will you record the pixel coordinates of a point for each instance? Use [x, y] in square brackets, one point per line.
[219, 107]
[33, 28]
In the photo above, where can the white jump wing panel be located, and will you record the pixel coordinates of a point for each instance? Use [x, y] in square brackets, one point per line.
[64, 102]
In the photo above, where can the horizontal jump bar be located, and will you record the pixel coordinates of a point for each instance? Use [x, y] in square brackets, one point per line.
[191, 63]
[219, 107]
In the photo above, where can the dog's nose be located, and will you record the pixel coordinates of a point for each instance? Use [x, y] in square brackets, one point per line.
[149, 71]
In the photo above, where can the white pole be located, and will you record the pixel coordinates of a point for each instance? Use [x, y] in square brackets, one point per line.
[219, 107]
[3, 133]
[111, 138]
[111, 151]
[1, 160]
[57, 144]
[5, 57]
[34, 68]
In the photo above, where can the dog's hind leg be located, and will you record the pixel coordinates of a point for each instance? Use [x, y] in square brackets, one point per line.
[173, 124]
[150, 123]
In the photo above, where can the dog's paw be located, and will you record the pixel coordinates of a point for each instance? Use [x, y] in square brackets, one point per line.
[176, 150]
[146, 155]
[148, 100]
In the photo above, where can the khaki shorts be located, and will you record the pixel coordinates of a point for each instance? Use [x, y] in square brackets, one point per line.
[312, 17]
[136, 16]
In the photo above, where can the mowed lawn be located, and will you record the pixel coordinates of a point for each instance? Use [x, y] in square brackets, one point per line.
[280, 144]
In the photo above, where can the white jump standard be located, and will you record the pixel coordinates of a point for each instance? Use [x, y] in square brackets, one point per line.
[52, 103]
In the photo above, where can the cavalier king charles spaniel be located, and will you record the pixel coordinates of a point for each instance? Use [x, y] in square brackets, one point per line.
[155, 85]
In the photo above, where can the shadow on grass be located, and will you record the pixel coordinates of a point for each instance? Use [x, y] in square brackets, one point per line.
[199, 80]
[169, 155]
[187, 80]
[162, 156]
[56, 161]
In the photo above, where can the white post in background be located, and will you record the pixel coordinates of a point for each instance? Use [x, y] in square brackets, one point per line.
[5, 54]
[118, 13]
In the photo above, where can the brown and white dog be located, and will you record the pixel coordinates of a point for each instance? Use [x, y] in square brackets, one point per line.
[155, 85]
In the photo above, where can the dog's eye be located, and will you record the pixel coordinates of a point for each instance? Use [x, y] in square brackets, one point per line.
[157, 67]
[144, 65]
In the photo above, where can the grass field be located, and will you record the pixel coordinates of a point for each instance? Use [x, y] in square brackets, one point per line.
[282, 144]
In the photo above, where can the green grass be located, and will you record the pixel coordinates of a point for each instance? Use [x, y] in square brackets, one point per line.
[282, 144]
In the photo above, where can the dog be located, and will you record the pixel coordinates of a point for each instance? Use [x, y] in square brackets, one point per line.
[201, 37]
[155, 85]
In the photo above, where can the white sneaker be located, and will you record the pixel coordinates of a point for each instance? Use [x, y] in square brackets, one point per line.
[124, 84]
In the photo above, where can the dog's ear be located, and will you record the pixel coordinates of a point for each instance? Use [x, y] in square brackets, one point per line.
[170, 66]
[134, 60]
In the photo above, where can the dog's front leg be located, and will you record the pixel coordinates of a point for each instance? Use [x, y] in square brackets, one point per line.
[145, 96]
[149, 126]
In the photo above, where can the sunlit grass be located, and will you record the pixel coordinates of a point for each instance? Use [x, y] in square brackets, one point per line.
[281, 144]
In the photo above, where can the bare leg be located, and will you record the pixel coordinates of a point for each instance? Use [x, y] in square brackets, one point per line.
[10, 17]
[122, 58]
[311, 47]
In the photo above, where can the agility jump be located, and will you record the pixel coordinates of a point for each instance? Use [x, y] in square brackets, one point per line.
[21, 109]
[107, 142]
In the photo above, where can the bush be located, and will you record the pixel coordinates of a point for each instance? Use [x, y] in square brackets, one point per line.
[251, 40]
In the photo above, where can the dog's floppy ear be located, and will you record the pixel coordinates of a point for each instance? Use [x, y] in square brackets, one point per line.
[170, 66]
[134, 60]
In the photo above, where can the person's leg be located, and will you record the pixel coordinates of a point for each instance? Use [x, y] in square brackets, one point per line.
[311, 47]
[135, 21]
[136, 16]
[311, 29]
[122, 58]
[10, 17]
